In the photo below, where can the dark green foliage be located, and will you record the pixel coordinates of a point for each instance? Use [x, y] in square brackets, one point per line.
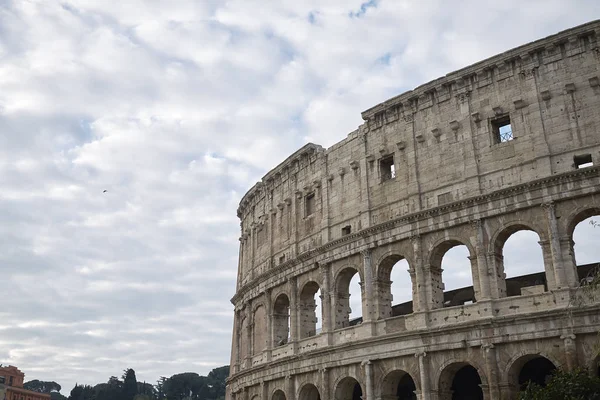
[57, 396]
[576, 385]
[181, 386]
[82, 392]
[110, 390]
[160, 388]
[42, 386]
[216, 382]
[130, 385]
[146, 389]
[185, 386]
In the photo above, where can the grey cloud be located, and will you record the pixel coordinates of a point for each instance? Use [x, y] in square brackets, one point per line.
[177, 111]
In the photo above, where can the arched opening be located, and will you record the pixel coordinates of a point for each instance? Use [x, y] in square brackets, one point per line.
[460, 381]
[309, 302]
[535, 369]
[348, 298]
[281, 320]
[394, 287]
[278, 395]
[459, 283]
[259, 330]
[519, 262]
[398, 385]
[348, 389]
[309, 392]
[585, 239]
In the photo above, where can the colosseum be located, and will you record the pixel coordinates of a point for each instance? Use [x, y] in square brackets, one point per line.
[509, 144]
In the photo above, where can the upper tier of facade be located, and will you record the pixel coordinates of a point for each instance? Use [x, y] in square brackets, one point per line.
[524, 115]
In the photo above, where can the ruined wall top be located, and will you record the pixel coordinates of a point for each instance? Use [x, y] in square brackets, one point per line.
[520, 60]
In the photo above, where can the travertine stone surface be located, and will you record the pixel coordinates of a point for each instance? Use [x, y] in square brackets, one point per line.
[425, 172]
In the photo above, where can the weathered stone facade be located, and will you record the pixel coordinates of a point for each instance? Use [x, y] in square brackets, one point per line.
[467, 159]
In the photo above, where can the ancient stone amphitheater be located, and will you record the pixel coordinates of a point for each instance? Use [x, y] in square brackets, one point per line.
[508, 144]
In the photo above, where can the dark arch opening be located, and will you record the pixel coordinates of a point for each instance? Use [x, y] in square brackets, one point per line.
[309, 392]
[348, 389]
[406, 388]
[537, 370]
[466, 384]
[278, 395]
[398, 385]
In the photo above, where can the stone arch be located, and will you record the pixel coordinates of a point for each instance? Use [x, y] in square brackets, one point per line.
[568, 243]
[307, 309]
[341, 305]
[438, 251]
[496, 250]
[460, 380]
[309, 391]
[278, 394]
[348, 388]
[579, 215]
[259, 329]
[398, 385]
[528, 365]
[281, 320]
[383, 285]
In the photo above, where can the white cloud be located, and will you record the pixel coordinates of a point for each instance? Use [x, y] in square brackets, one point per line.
[176, 109]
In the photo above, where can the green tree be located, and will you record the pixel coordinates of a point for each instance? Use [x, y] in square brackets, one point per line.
[216, 382]
[82, 392]
[130, 385]
[57, 396]
[42, 386]
[575, 385]
[160, 388]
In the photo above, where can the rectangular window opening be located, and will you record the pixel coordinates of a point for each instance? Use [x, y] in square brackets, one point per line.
[502, 129]
[282, 259]
[309, 204]
[346, 230]
[387, 168]
[583, 161]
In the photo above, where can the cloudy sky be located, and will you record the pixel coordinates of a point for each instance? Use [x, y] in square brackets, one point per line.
[176, 108]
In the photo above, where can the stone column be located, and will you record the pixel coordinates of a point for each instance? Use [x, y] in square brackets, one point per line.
[420, 302]
[364, 185]
[434, 286]
[289, 388]
[325, 390]
[425, 387]
[326, 292]
[368, 380]
[548, 265]
[570, 351]
[240, 264]
[264, 391]
[491, 366]
[367, 285]
[495, 262]
[559, 270]
[248, 333]
[482, 266]
[269, 312]
[294, 334]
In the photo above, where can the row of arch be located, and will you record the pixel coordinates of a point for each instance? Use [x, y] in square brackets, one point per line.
[310, 292]
[457, 381]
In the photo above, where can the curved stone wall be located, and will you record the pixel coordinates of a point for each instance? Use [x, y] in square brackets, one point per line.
[511, 143]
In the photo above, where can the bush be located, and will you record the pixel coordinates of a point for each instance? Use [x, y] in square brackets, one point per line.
[575, 385]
